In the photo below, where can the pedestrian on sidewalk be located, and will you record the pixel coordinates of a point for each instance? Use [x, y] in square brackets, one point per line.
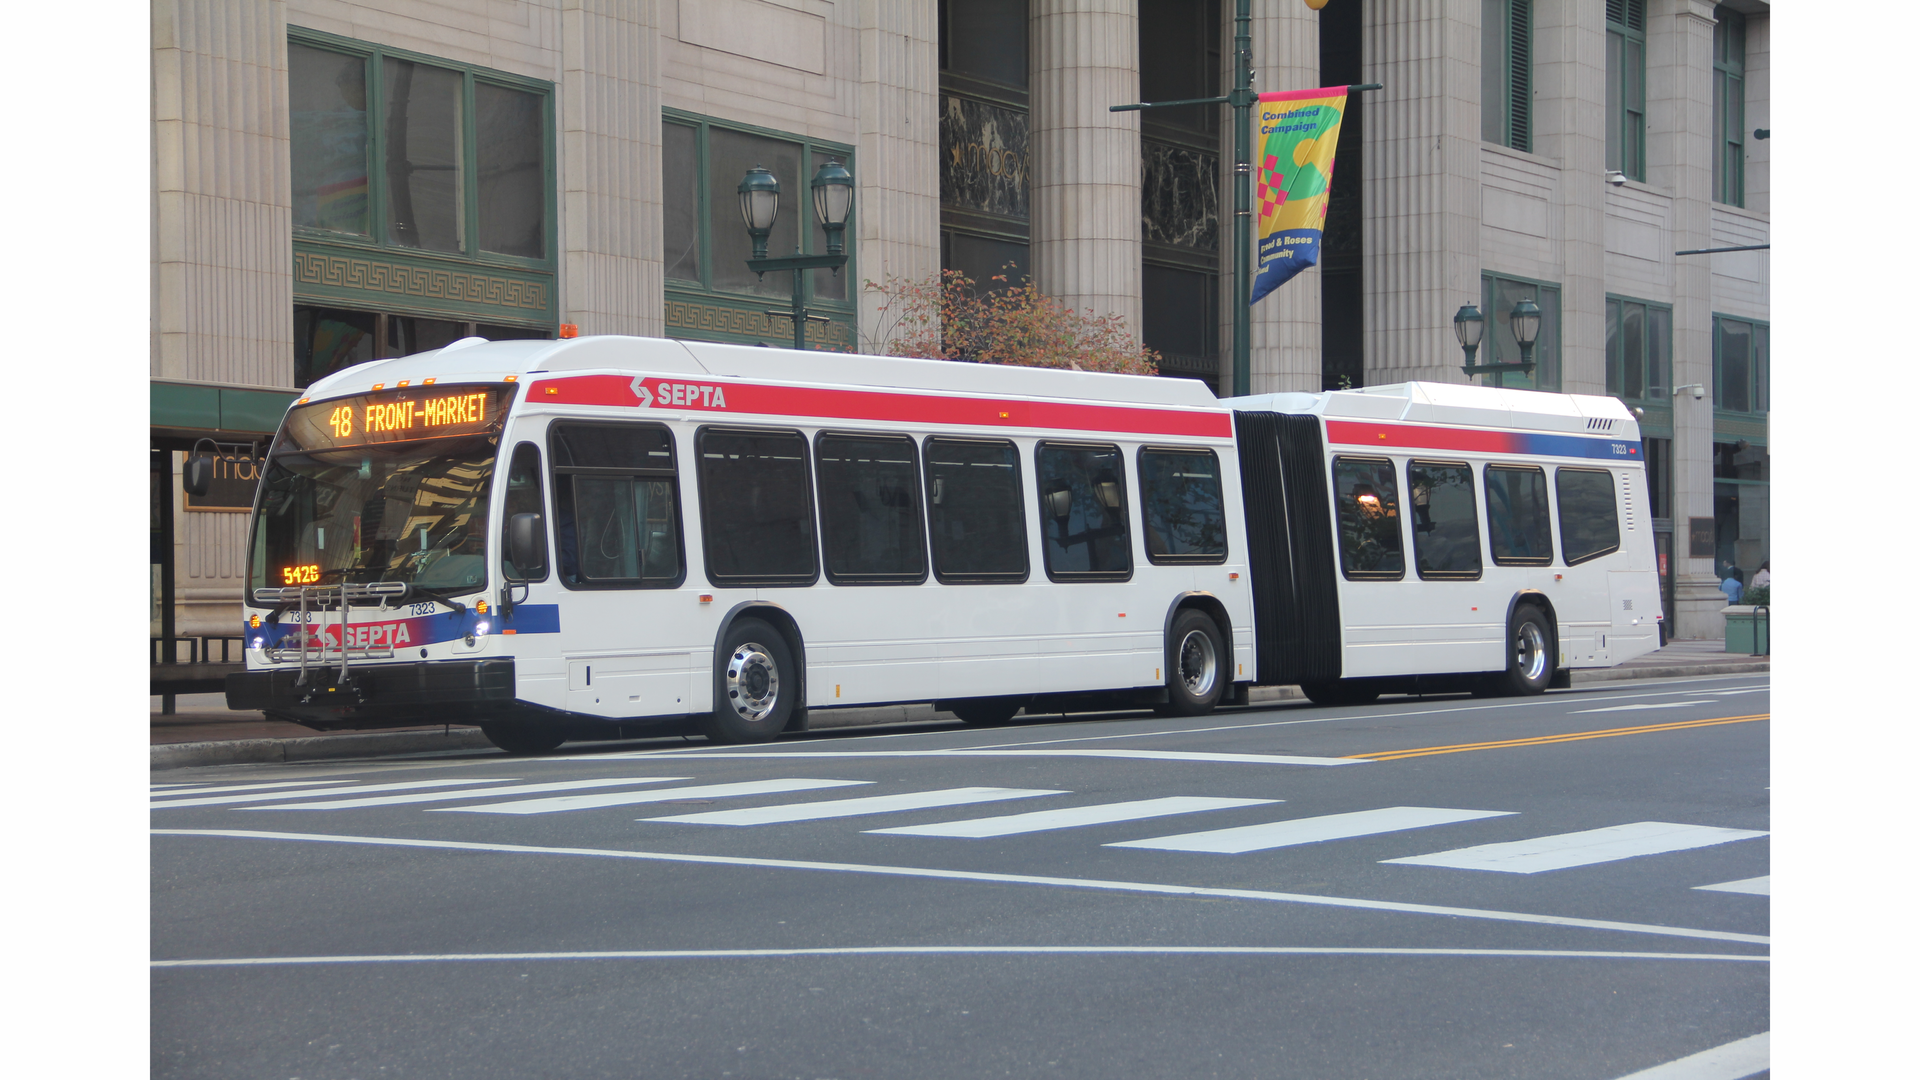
[1762, 578]
[1732, 585]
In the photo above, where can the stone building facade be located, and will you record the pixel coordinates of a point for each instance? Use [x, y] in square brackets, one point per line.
[336, 180]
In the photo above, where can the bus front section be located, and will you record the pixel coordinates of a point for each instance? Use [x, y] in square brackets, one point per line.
[368, 564]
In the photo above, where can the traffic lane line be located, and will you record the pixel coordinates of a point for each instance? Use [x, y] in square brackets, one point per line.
[1091, 884]
[950, 950]
[1545, 740]
[1733, 1061]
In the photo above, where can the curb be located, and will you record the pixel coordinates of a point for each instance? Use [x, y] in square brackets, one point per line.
[375, 744]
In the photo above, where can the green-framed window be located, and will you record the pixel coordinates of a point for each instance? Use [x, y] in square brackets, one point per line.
[1498, 294]
[1506, 73]
[1729, 107]
[706, 243]
[1627, 87]
[1639, 349]
[1740, 363]
[398, 150]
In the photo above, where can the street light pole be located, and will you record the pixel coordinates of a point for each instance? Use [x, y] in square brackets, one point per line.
[760, 206]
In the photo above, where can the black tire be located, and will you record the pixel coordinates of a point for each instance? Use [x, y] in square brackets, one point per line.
[1196, 665]
[523, 738]
[987, 711]
[755, 685]
[1530, 652]
[1340, 692]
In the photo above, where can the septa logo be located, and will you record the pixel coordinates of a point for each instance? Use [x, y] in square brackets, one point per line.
[678, 395]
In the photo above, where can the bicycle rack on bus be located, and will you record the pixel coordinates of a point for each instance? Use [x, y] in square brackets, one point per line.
[319, 599]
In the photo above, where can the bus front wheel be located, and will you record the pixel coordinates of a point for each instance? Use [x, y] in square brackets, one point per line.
[755, 683]
[1530, 654]
[1195, 665]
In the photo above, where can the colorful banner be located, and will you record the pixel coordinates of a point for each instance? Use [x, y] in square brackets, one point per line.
[1294, 177]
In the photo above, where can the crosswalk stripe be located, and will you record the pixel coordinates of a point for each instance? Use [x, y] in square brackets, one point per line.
[480, 793]
[1313, 830]
[224, 788]
[269, 796]
[835, 808]
[1071, 817]
[1753, 886]
[1585, 848]
[560, 803]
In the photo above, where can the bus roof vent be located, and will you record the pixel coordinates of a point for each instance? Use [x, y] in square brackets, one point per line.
[462, 343]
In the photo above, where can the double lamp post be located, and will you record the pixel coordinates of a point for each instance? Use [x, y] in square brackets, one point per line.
[832, 203]
[1469, 326]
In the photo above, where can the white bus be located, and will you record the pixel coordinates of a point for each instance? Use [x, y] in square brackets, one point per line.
[612, 536]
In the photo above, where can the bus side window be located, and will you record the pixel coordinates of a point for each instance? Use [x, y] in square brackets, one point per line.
[1517, 525]
[1083, 512]
[974, 513]
[1446, 523]
[756, 509]
[523, 497]
[1367, 499]
[870, 509]
[1181, 509]
[1589, 518]
[616, 506]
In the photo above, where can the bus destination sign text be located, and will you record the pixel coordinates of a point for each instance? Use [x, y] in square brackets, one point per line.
[394, 416]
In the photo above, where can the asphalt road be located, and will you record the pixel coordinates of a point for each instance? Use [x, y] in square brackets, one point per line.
[1414, 889]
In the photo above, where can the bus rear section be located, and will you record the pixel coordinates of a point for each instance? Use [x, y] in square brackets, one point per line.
[1440, 537]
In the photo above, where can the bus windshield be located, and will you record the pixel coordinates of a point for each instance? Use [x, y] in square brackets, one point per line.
[413, 512]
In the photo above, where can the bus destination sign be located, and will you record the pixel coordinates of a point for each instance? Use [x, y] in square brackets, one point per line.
[401, 415]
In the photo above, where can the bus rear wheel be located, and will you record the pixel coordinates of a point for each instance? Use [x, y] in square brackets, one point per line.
[1196, 656]
[754, 685]
[1340, 692]
[1530, 655]
[523, 738]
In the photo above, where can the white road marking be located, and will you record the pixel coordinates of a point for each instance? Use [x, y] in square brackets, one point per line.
[950, 950]
[1734, 1061]
[930, 873]
[1753, 886]
[223, 788]
[482, 793]
[1071, 817]
[1585, 848]
[222, 800]
[1313, 830]
[1132, 755]
[561, 803]
[837, 808]
[1648, 705]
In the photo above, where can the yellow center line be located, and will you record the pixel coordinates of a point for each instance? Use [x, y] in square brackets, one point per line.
[1543, 740]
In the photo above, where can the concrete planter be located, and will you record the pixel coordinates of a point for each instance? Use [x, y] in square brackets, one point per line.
[1747, 629]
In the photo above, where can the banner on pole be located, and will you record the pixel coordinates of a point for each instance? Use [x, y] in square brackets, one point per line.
[1293, 169]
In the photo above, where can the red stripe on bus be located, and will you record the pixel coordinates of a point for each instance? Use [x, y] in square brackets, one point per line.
[1467, 440]
[698, 396]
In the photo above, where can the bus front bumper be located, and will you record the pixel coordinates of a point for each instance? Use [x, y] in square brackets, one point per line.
[379, 695]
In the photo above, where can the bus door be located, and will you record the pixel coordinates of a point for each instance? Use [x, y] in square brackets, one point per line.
[624, 648]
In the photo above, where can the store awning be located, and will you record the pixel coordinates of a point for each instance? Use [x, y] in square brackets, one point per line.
[185, 411]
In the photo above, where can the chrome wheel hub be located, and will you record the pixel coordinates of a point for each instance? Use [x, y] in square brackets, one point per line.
[1530, 651]
[1199, 664]
[753, 681]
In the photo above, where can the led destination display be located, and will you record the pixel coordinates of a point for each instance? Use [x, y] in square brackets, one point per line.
[400, 415]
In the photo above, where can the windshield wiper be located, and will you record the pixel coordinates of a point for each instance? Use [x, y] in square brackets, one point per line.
[442, 596]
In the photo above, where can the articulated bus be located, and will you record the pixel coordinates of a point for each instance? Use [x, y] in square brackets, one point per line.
[611, 536]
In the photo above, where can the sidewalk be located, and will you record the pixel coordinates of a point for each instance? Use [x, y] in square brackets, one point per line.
[203, 731]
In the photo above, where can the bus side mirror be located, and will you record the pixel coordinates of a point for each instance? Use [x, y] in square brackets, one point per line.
[527, 544]
[197, 477]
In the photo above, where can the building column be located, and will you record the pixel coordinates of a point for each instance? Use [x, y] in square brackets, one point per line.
[612, 269]
[1086, 160]
[1570, 76]
[896, 217]
[1422, 190]
[1285, 325]
[222, 247]
[1680, 148]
